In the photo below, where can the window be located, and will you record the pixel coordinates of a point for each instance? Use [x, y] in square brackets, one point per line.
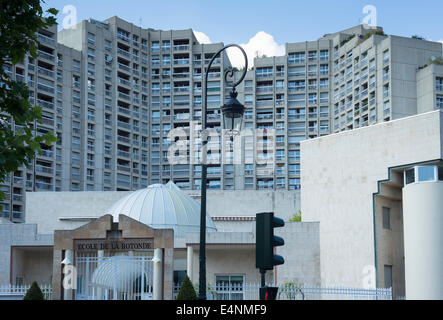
[426, 173]
[439, 103]
[298, 57]
[388, 276]
[230, 287]
[386, 56]
[440, 173]
[179, 276]
[386, 218]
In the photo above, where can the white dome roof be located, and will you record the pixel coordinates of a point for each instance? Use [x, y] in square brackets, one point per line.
[162, 207]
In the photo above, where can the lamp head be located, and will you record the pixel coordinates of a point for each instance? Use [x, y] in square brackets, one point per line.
[232, 112]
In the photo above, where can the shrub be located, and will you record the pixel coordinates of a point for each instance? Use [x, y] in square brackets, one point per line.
[34, 293]
[296, 217]
[187, 291]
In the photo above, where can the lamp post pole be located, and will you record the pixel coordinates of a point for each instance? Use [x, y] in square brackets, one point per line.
[202, 255]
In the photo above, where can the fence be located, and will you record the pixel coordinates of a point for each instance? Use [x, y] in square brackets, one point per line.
[292, 292]
[114, 278]
[244, 292]
[9, 292]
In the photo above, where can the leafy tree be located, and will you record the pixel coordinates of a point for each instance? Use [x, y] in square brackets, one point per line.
[187, 291]
[34, 293]
[19, 22]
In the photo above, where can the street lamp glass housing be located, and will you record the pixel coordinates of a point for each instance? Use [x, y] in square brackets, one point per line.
[233, 112]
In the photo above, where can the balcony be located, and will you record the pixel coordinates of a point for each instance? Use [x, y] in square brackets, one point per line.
[124, 139]
[124, 82]
[44, 169]
[45, 104]
[264, 89]
[181, 61]
[181, 89]
[124, 96]
[124, 67]
[43, 186]
[46, 72]
[183, 47]
[124, 110]
[124, 154]
[45, 39]
[46, 88]
[45, 55]
[123, 124]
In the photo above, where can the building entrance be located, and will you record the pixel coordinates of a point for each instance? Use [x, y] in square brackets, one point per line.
[118, 277]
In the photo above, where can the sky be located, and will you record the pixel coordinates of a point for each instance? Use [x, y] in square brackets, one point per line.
[263, 27]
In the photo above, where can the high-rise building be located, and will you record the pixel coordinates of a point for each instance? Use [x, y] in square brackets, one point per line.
[112, 92]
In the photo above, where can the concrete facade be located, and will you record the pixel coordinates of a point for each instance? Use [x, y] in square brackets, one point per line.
[85, 206]
[19, 240]
[351, 165]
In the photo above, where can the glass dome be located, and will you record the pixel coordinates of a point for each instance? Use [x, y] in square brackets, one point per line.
[163, 207]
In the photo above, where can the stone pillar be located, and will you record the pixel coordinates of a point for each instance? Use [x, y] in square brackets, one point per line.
[69, 258]
[190, 262]
[100, 255]
[158, 274]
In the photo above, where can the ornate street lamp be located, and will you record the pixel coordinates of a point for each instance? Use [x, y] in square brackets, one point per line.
[232, 119]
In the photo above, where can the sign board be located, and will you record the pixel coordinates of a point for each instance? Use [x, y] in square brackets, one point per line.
[113, 245]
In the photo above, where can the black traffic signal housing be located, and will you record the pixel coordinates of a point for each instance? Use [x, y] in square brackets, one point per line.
[268, 293]
[265, 258]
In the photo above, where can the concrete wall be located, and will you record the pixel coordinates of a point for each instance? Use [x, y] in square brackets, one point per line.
[301, 253]
[339, 177]
[20, 235]
[234, 253]
[32, 264]
[250, 202]
[390, 248]
[48, 209]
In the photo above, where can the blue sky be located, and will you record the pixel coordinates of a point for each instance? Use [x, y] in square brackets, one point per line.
[238, 21]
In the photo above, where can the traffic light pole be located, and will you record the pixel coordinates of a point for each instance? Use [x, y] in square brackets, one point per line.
[263, 281]
[263, 284]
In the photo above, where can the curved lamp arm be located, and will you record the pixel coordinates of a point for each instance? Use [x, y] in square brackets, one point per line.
[228, 73]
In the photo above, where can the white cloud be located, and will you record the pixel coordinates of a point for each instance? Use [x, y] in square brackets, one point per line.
[261, 44]
[202, 37]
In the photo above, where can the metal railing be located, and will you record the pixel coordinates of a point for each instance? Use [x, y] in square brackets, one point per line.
[250, 291]
[10, 292]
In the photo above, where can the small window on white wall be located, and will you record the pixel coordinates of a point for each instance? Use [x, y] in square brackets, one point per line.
[386, 218]
[388, 276]
[230, 287]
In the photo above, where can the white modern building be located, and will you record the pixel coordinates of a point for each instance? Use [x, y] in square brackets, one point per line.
[376, 192]
[92, 230]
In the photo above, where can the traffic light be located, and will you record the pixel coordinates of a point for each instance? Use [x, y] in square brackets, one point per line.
[268, 293]
[265, 259]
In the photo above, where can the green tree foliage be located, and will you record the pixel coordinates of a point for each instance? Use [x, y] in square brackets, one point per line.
[19, 22]
[34, 293]
[296, 217]
[416, 36]
[187, 291]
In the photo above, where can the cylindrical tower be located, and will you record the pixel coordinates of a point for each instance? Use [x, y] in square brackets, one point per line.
[423, 239]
